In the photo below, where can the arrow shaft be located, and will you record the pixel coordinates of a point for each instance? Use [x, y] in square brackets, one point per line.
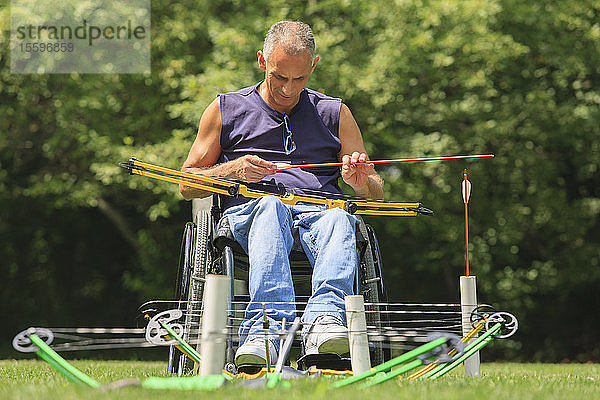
[398, 160]
[466, 195]
[467, 237]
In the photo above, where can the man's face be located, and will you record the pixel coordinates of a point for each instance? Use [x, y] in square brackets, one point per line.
[285, 77]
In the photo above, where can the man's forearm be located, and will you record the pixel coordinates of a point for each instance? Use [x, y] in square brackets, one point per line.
[249, 168]
[225, 170]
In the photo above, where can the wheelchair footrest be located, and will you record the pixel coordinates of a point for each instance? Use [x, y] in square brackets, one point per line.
[325, 361]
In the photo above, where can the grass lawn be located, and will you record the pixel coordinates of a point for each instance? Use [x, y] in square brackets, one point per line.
[33, 379]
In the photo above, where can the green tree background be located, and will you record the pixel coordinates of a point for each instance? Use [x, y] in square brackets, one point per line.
[82, 243]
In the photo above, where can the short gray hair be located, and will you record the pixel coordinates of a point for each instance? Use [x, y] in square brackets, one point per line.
[294, 36]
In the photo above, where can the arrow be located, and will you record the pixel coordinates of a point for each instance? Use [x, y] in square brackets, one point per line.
[283, 167]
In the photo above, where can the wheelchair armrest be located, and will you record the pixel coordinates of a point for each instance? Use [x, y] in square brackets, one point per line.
[361, 240]
[224, 237]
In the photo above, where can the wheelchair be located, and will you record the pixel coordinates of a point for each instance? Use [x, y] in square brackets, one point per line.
[208, 247]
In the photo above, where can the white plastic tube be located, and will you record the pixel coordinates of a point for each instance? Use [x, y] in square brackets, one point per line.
[357, 334]
[468, 301]
[214, 324]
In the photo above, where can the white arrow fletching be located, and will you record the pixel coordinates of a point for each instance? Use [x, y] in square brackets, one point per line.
[466, 190]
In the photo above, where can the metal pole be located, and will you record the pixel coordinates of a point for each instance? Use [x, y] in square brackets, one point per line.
[214, 322]
[357, 334]
[468, 301]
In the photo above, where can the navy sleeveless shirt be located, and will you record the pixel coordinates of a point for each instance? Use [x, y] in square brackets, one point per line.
[250, 126]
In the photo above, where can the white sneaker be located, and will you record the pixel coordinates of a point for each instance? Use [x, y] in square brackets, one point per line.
[327, 335]
[253, 352]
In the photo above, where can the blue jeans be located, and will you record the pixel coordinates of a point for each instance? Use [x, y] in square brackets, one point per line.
[263, 227]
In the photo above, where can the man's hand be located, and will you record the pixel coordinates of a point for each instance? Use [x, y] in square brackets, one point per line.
[251, 168]
[356, 171]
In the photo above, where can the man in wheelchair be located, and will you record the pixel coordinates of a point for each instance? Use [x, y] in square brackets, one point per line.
[244, 135]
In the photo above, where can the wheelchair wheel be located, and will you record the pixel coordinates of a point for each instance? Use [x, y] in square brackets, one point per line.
[184, 270]
[202, 257]
[370, 289]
